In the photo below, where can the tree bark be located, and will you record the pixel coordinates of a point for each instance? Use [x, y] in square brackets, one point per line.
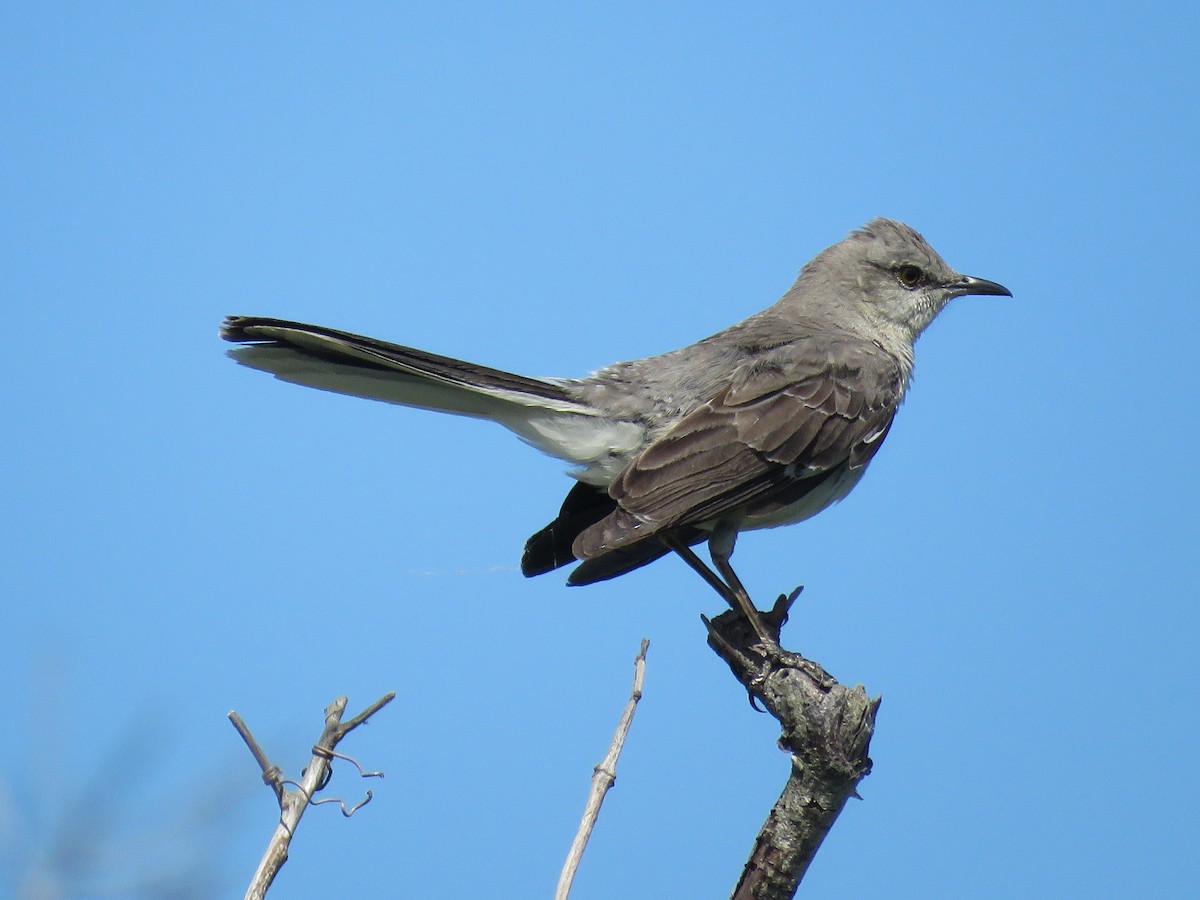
[826, 727]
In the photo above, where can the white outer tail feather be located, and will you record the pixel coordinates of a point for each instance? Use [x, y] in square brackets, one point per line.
[569, 431]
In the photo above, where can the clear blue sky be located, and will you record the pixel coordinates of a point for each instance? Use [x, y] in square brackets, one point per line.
[1016, 575]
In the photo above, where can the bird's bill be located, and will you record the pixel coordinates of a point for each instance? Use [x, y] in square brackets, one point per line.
[969, 285]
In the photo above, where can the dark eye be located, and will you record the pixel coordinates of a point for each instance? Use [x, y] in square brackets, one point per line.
[910, 276]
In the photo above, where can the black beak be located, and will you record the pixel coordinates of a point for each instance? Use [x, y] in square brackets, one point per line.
[969, 285]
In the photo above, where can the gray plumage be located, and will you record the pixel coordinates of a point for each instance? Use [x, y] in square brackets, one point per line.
[765, 423]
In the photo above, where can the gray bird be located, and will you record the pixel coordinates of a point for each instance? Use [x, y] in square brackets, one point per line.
[765, 423]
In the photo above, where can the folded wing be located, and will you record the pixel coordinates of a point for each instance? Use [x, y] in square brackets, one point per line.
[786, 424]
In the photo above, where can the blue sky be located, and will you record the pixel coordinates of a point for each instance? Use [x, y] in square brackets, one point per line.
[1016, 575]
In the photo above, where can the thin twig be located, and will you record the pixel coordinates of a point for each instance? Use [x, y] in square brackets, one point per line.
[292, 803]
[271, 774]
[603, 778]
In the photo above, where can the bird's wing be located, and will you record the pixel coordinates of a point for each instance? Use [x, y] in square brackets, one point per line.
[787, 420]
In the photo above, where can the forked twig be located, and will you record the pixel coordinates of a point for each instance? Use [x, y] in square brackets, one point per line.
[293, 802]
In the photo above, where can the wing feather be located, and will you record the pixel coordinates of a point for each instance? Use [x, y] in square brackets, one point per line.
[779, 429]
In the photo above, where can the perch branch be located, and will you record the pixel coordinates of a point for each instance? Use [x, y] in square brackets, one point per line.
[826, 727]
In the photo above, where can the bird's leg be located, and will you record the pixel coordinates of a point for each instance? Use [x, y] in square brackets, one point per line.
[749, 610]
[732, 590]
[688, 555]
[720, 546]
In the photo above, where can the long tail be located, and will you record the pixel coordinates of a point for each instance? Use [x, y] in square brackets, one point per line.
[542, 412]
[352, 364]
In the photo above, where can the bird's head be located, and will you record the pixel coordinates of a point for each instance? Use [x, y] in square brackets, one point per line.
[887, 274]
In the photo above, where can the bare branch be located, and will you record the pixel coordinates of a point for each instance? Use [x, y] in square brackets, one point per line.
[827, 728]
[292, 803]
[271, 774]
[603, 778]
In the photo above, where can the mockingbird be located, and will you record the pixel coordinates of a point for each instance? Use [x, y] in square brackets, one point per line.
[765, 423]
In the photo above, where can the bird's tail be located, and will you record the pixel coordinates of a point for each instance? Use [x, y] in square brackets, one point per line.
[540, 411]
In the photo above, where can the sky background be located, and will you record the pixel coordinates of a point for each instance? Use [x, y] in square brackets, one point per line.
[548, 188]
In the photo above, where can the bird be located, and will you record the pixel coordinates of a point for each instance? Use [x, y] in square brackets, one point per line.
[765, 423]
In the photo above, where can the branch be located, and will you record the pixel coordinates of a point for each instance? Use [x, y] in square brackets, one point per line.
[293, 801]
[827, 729]
[603, 778]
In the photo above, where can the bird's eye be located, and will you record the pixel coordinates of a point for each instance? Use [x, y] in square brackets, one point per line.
[910, 276]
